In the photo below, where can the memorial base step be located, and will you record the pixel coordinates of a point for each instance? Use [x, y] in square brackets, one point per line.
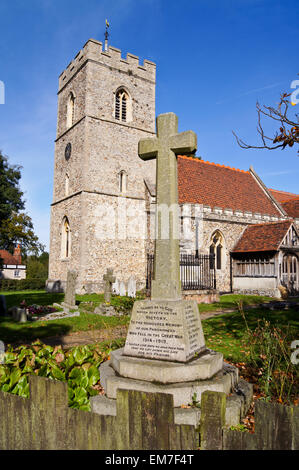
[150, 370]
[237, 405]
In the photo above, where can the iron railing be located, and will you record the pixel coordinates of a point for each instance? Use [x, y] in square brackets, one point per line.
[197, 272]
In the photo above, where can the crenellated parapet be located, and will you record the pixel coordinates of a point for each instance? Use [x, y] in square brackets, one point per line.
[93, 51]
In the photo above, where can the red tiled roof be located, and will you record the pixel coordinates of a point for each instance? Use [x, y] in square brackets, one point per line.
[202, 182]
[292, 207]
[282, 196]
[7, 257]
[262, 237]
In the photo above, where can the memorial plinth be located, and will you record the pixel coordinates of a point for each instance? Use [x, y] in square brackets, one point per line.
[165, 330]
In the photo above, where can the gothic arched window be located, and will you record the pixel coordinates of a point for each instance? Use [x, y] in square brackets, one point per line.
[70, 110]
[216, 249]
[65, 239]
[122, 110]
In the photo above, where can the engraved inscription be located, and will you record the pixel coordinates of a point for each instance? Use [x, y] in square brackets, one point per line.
[164, 331]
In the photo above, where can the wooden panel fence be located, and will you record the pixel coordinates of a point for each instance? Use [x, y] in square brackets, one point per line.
[276, 426]
[44, 421]
[144, 421]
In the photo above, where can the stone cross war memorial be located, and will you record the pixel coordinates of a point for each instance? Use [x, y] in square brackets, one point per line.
[165, 347]
[166, 327]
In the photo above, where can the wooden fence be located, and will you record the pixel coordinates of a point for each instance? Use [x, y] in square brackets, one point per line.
[144, 421]
[276, 426]
[44, 421]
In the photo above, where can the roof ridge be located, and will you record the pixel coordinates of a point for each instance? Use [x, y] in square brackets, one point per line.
[281, 191]
[271, 223]
[212, 163]
[289, 200]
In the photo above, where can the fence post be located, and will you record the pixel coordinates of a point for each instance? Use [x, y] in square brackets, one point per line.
[213, 405]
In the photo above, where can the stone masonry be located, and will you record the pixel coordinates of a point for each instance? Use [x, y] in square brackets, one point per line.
[102, 147]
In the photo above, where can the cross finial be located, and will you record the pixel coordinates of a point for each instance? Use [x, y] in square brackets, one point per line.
[106, 35]
[165, 148]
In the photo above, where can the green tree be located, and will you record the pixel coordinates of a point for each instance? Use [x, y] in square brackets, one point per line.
[15, 225]
[37, 266]
[10, 195]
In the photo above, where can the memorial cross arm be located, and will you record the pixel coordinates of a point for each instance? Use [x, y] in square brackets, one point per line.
[148, 148]
[184, 142]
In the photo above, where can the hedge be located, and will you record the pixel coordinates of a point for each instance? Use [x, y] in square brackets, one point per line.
[22, 284]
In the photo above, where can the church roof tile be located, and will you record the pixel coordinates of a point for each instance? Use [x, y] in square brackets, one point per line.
[202, 182]
[282, 196]
[262, 237]
[292, 207]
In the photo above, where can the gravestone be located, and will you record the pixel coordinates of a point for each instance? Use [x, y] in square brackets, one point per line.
[122, 289]
[132, 287]
[115, 287]
[2, 352]
[70, 293]
[108, 279]
[3, 309]
[18, 314]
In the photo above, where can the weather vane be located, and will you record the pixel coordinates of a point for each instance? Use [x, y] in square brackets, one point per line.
[106, 35]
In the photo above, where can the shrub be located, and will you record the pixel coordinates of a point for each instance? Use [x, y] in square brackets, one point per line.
[125, 304]
[270, 355]
[77, 366]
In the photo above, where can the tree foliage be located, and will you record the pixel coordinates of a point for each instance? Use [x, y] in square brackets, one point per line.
[15, 225]
[37, 266]
[287, 134]
[10, 195]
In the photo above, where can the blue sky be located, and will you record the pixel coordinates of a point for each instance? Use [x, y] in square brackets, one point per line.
[214, 61]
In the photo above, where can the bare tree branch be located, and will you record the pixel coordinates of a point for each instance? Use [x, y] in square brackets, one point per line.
[288, 133]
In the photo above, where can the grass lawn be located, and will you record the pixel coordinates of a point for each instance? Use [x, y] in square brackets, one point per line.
[39, 297]
[229, 301]
[225, 333]
[11, 331]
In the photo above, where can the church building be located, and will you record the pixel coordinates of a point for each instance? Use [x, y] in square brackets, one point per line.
[103, 209]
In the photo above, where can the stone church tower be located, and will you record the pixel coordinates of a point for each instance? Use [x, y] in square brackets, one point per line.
[106, 104]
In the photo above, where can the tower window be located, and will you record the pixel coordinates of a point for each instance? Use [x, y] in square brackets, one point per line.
[122, 182]
[70, 110]
[67, 180]
[122, 106]
[65, 239]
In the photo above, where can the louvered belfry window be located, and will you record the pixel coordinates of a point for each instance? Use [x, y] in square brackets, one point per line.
[121, 100]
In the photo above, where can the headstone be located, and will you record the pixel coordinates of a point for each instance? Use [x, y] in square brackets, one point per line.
[23, 316]
[18, 314]
[122, 289]
[2, 352]
[2, 306]
[166, 327]
[132, 287]
[70, 293]
[115, 287]
[108, 279]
